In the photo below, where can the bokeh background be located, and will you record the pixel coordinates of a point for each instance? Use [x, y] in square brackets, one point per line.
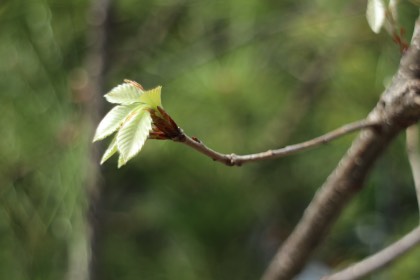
[243, 76]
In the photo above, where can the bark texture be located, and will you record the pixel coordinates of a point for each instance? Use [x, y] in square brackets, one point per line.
[398, 108]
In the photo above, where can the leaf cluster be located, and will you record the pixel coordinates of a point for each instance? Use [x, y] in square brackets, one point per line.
[131, 120]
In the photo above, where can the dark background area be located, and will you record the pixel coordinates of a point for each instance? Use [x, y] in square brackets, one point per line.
[244, 77]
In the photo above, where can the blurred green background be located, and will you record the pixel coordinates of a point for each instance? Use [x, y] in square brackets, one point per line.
[243, 76]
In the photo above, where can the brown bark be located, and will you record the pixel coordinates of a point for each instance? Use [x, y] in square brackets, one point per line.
[398, 107]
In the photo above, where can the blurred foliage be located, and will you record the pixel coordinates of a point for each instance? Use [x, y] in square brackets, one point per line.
[241, 76]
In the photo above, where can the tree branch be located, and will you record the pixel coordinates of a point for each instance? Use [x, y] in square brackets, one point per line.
[380, 259]
[398, 108]
[403, 245]
[413, 154]
[233, 159]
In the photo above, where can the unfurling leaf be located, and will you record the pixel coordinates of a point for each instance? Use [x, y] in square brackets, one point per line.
[132, 134]
[152, 97]
[125, 94]
[375, 14]
[137, 116]
[111, 150]
[112, 121]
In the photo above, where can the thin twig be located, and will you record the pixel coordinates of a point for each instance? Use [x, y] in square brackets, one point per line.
[233, 159]
[380, 259]
[413, 154]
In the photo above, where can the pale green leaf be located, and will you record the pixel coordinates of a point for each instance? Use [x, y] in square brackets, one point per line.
[152, 97]
[112, 149]
[393, 8]
[125, 94]
[121, 161]
[112, 121]
[375, 14]
[132, 134]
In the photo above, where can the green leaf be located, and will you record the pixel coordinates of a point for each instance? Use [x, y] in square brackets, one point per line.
[152, 97]
[375, 14]
[121, 161]
[112, 121]
[125, 94]
[112, 149]
[133, 133]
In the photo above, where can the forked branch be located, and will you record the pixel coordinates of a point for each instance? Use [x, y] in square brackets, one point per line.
[397, 109]
[408, 242]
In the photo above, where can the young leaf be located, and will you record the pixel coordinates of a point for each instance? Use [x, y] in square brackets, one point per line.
[121, 161]
[112, 121]
[112, 149]
[152, 97]
[133, 133]
[375, 14]
[125, 94]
